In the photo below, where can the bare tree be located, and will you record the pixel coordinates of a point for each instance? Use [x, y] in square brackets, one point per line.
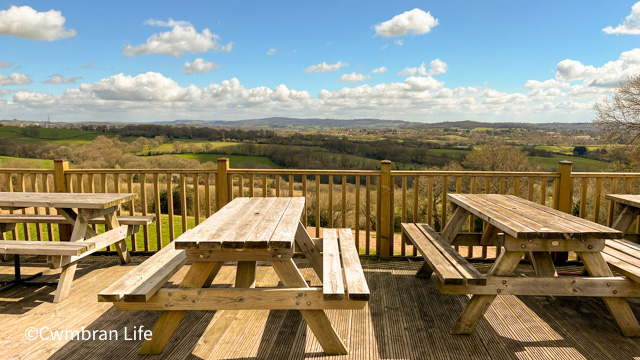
[619, 114]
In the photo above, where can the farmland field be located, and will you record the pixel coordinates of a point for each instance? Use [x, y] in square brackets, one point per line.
[236, 161]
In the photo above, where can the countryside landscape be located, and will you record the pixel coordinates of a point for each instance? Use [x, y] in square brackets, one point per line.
[359, 180]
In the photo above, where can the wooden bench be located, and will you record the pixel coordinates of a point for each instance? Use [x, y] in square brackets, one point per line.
[450, 268]
[623, 256]
[60, 253]
[144, 280]
[337, 245]
[8, 221]
[340, 256]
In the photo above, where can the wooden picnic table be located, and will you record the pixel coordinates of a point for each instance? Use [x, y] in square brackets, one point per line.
[629, 208]
[77, 209]
[530, 229]
[245, 231]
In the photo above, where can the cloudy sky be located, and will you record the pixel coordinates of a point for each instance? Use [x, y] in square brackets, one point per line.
[422, 61]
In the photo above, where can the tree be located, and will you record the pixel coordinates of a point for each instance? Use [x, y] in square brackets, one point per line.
[579, 150]
[499, 157]
[619, 114]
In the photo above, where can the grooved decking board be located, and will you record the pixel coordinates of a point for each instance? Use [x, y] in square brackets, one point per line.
[407, 318]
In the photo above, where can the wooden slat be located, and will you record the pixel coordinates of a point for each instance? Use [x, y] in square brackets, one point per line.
[357, 288]
[332, 283]
[144, 280]
[25, 247]
[265, 229]
[444, 270]
[248, 227]
[58, 219]
[284, 234]
[470, 274]
[63, 200]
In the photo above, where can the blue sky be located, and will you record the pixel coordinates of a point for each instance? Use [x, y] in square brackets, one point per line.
[436, 60]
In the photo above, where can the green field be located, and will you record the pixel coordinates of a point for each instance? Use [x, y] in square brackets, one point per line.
[37, 163]
[236, 161]
[54, 136]
[579, 164]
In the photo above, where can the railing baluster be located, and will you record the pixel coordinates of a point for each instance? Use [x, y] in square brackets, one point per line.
[472, 190]
[543, 190]
[132, 209]
[583, 197]
[207, 195]
[183, 202]
[304, 194]
[367, 205]
[170, 206]
[416, 198]
[251, 185]
[357, 213]
[598, 194]
[330, 201]
[344, 201]
[277, 185]
[264, 185]
[430, 201]
[458, 191]
[317, 206]
[240, 185]
[142, 178]
[36, 210]
[445, 189]
[47, 210]
[530, 181]
[156, 200]
[612, 190]
[516, 186]
[291, 185]
[25, 226]
[196, 198]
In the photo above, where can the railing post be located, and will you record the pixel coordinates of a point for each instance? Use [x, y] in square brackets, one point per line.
[222, 183]
[386, 210]
[563, 191]
[60, 168]
[563, 199]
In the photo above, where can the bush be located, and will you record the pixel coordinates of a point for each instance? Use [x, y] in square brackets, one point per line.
[177, 202]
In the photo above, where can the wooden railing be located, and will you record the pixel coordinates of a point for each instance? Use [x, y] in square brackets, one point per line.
[373, 203]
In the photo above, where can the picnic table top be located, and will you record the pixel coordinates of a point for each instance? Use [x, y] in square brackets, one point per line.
[63, 200]
[626, 199]
[248, 223]
[524, 219]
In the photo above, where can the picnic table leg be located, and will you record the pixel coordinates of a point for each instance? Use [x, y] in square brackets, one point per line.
[626, 217]
[479, 304]
[543, 263]
[316, 319]
[69, 270]
[246, 274]
[111, 222]
[618, 307]
[168, 322]
[311, 252]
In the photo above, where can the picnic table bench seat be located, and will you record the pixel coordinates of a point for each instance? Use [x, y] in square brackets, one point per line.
[57, 219]
[342, 272]
[448, 265]
[61, 252]
[623, 256]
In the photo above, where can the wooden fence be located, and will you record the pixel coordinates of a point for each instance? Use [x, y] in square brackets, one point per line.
[372, 202]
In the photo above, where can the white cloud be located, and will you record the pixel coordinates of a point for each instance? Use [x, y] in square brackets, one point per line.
[630, 25]
[324, 67]
[59, 79]
[199, 65]
[436, 66]
[27, 23]
[606, 76]
[547, 84]
[354, 77]
[15, 79]
[5, 64]
[416, 22]
[182, 38]
[399, 42]
[4, 92]
[419, 83]
[272, 51]
[379, 70]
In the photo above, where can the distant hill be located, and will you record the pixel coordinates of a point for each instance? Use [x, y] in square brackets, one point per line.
[284, 123]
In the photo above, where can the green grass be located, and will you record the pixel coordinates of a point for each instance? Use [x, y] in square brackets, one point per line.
[37, 163]
[579, 164]
[236, 161]
[168, 146]
[54, 136]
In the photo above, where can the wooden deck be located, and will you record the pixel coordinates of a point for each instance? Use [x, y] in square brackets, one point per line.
[406, 319]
